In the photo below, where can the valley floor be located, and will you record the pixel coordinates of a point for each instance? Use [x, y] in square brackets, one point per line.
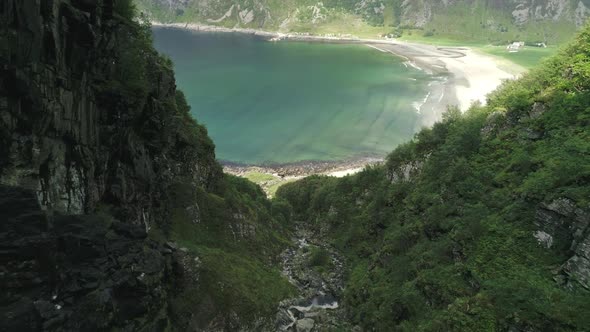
[316, 269]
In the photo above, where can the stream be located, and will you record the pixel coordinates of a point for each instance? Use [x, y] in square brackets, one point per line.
[319, 281]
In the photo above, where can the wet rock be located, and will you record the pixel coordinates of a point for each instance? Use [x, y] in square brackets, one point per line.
[316, 307]
[172, 246]
[296, 313]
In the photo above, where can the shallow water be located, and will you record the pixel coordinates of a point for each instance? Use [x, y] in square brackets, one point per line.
[291, 101]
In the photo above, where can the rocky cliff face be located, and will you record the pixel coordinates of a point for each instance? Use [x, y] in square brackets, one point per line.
[419, 13]
[561, 220]
[70, 132]
[90, 122]
[78, 273]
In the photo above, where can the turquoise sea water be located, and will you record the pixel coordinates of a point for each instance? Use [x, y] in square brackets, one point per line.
[265, 102]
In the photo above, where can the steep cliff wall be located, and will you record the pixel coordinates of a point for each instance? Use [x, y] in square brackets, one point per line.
[84, 119]
[87, 125]
[114, 212]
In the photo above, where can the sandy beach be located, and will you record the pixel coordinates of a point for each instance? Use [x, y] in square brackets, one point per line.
[305, 168]
[461, 77]
[271, 177]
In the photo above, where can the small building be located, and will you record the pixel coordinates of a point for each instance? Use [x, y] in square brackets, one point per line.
[515, 46]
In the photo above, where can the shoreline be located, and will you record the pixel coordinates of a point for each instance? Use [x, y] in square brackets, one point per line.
[461, 76]
[304, 168]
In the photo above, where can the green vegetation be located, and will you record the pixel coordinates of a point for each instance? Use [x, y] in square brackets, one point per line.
[258, 177]
[319, 258]
[440, 238]
[529, 57]
[269, 183]
[228, 234]
[236, 240]
[480, 21]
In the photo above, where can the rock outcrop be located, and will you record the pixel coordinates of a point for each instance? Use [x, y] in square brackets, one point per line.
[564, 221]
[78, 273]
[69, 130]
[92, 134]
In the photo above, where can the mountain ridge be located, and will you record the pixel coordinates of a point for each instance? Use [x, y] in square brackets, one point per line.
[549, 21]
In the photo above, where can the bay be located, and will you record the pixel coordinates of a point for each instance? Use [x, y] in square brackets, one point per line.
[265, 102]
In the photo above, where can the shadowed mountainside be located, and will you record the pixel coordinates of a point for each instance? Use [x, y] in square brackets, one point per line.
[116, 214]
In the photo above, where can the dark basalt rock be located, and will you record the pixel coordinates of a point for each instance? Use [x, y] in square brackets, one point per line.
[72, 139]
[76, 272]
[67, 134]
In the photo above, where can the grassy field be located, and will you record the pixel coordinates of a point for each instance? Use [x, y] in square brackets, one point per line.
[353, 25]
[259, 178]
[269, 183]
[528, 57]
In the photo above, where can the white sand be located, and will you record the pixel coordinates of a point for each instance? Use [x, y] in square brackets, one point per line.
[476, 76]
[346, 172]
[473, 75]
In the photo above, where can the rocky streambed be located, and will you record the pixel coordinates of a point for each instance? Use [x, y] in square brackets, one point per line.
[316, 269]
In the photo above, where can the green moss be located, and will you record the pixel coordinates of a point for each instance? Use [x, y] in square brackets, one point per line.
[319, 258]
[237, 236]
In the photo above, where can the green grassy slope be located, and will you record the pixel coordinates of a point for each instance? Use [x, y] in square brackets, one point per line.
[237, 241]
[484, 24]
[441, 238]
[480, 20]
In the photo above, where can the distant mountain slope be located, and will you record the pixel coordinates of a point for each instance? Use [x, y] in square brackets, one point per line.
[544, 20]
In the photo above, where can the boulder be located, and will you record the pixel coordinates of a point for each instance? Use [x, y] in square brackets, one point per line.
[304, 325]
